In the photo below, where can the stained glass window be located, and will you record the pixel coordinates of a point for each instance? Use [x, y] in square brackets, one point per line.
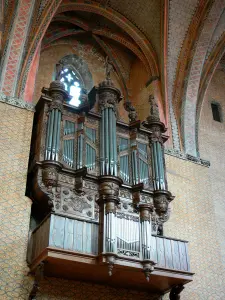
[72, 84]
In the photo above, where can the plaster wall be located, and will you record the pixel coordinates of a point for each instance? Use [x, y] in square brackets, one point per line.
[15, 134]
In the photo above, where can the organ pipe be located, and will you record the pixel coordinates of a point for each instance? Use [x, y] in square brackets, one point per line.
[80, 143]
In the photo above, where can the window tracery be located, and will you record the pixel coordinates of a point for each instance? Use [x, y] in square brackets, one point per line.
[72, 84]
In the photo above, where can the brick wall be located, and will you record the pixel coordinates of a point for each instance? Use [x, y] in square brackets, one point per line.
[212, 147]
[198, 209]
[193, 219]
[15, 134]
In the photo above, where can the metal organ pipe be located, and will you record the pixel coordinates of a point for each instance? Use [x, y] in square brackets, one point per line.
[80, 145]
[108, 165]
[158, 166]
[107, 141]
[48, 150]
[102, 143]
[145, 218]
[53, 135]
[114, 144]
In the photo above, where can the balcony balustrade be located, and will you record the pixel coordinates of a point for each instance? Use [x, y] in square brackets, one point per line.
[70, 249]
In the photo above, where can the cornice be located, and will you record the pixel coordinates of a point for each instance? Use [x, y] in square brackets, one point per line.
[17, 102]
[188, 157]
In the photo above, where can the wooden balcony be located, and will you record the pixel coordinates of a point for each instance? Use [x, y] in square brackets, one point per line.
[69, 248]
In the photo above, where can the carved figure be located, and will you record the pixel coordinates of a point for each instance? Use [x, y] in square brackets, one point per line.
[131, 110]
[175, 292]
[154, 109]
[59, 68]
[108, 68]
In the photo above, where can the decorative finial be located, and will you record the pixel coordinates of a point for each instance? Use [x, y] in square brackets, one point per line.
[59, 68]
[108, 68]
[154, 109]
[110, 268]
[148, 268]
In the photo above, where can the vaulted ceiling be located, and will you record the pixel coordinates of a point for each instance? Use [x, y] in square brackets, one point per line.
[180, 42]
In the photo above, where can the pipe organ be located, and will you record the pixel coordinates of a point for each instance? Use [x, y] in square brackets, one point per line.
[99, 184]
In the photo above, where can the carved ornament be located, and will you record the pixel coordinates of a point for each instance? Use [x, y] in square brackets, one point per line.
[50, 176]
[145, 211]
[148, 268]
[109, 189]
[156, 134]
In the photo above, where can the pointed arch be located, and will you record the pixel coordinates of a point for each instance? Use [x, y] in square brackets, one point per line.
[93, 7]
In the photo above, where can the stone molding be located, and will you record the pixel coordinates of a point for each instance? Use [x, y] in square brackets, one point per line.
[17, 102]
[188, 157]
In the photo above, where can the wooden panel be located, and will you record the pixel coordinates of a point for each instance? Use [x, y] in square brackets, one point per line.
[40, 238]
[183, 258]
[153, 251]
[168, 254]
[94, 239]
[160, 252]
[57, 229]
[187, 257]
[176, 254]
[68, 240]
[78, 236]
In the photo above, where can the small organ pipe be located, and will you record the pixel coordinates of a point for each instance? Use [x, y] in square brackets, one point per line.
[78, 152]
[133, 167]
[145, 218]
[162, 171]
[107, 140]
[114, 144]
[102, 135]
[110, 141]
[48, 135]
[136, 168]
[156, 166]
[51, 134]
[58, 135]
[81, 150]
[72, 142]
[55, 134]
[71, 153]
